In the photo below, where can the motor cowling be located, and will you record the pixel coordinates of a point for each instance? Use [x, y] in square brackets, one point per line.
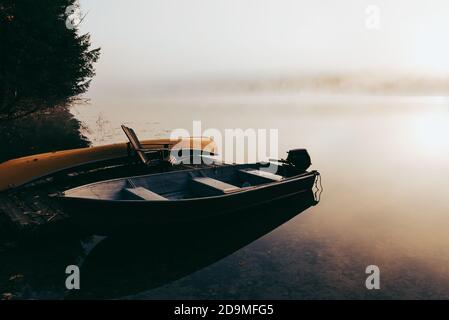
[299, 158]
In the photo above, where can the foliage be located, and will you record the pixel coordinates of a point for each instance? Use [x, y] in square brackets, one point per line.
[43, 64]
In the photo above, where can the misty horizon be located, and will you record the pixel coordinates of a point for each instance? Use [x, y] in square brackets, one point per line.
[157, 45]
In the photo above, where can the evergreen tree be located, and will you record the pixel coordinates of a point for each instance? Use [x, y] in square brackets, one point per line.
[43, 63]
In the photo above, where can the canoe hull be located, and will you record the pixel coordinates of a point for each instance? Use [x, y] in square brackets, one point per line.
[106, 216]
[20, 171]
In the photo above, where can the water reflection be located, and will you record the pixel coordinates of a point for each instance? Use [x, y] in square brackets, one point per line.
[36, 270]
[129, 264]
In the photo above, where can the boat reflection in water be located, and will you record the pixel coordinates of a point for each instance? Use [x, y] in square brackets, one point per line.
[127, 264]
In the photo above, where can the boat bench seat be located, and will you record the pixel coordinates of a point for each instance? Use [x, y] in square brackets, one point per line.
[211, 187]
[254, 176]
[140, 193]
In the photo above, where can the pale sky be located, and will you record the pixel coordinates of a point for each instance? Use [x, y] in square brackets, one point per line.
[179, 40]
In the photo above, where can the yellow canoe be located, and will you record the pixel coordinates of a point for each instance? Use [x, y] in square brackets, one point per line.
[14, 173]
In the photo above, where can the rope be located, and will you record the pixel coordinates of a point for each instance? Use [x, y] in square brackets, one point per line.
[318, 187]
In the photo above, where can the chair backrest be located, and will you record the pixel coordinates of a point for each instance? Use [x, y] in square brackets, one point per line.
[135, 143]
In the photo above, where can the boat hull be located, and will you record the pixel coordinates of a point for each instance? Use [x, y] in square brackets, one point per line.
[108, 216]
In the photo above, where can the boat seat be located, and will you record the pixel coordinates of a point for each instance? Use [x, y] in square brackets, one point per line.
[211, 187]
[140, 193]
[254, 176]
[135, 143]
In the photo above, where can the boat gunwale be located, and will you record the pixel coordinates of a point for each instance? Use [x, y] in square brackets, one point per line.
[262, 186]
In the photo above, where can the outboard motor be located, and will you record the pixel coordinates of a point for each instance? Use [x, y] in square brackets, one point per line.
[299, 158]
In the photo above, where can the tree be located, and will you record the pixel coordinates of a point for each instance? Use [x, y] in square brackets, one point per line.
[43, 64]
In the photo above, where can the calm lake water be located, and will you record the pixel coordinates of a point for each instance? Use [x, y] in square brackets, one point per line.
[384, 163]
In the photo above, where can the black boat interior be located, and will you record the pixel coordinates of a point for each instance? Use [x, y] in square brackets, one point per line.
[186, 184]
